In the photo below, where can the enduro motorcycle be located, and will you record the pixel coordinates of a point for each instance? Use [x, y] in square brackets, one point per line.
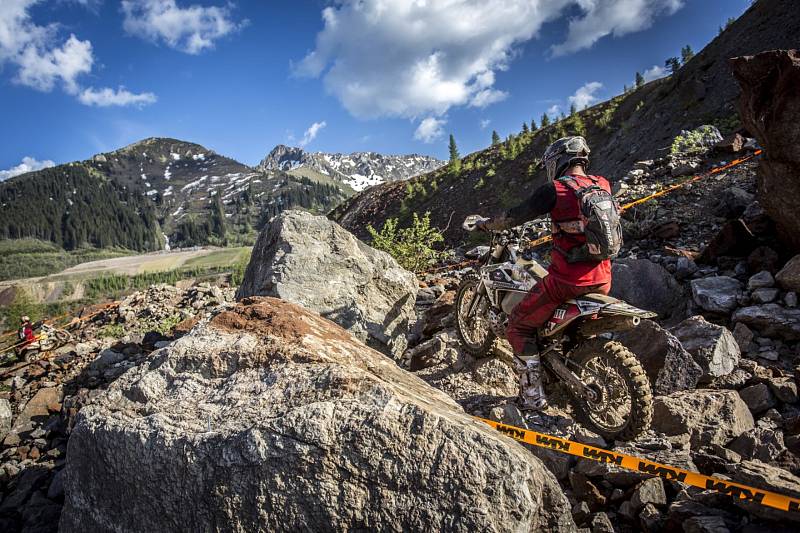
[610, 389]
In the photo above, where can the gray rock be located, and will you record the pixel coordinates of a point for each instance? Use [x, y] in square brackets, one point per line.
[713, 347]
[757, 397]
[6, 418]
[651, 518]
[759, 443]
[600, 523]
[668, 365]
[761, 280]
[789, 276]
[709, 416]
[271, 418]
[771, 320]
[105, 359]
[764, 296]
[716, 294]
[785, 389]
[649, 491]
[314, 262]
[790, 299]
[646, 285]
[705, 524]
[743, 336]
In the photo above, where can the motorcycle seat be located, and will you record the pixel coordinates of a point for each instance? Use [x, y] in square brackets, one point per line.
[599, 298]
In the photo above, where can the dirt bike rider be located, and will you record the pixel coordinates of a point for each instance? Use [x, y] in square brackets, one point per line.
[25, 334]
[565, 161]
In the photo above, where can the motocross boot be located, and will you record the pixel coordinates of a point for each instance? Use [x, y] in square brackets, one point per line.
[531, 392]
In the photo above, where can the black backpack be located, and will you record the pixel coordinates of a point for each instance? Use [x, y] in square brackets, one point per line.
[599, 222]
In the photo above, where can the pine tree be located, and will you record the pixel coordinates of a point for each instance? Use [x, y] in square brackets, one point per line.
[525, 128]
[545, 120]
[639, 80]
[572, 109]
[455, 158]
[495, 138]
[534, 127]
[686, 54]
[217, 217]
[673, 64]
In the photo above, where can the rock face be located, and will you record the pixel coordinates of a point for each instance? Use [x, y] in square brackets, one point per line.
[713, 347]
[668, 365]
[709, 416]
[271, 418]
[6, 417]
[769, 106]
[646, 285]
[314, 262]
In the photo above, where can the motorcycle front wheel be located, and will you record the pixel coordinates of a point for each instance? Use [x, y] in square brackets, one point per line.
[474, 331]
[622, 407]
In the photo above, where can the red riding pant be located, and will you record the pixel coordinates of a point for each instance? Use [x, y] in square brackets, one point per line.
[539, 305]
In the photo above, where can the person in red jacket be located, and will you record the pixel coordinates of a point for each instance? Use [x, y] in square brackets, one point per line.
[566, 162]
[26, 336]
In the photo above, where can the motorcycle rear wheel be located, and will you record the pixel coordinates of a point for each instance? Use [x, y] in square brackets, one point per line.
[476, 335]
[624, 407]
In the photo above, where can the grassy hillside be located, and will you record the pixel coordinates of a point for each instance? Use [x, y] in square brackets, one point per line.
[630, 127]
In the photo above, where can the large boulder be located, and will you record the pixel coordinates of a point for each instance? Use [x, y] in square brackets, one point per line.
[771, 320]
[668, 365]
[769, 106]
[271, 418]
[767, 477]
[716, 294]
[312, 261]
[646, 285]
[713, 347]
[708, 416]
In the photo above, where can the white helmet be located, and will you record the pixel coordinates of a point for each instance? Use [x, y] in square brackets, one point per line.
[564, 153]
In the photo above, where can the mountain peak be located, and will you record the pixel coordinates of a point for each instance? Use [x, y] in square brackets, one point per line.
[359, 170]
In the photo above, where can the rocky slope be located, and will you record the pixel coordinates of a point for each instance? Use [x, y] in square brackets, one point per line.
[359, 170]
[636, 126]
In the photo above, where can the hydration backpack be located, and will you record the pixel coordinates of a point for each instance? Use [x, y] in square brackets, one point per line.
[599, 222]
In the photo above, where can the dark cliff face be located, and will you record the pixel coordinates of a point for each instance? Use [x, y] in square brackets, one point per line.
[631, 127]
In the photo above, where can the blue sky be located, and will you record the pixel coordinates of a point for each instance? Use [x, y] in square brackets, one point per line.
[78, 77]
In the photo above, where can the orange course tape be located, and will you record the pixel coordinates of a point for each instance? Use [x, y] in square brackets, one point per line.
[671, 473]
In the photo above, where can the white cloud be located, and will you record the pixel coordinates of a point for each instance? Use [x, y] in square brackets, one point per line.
[190, 29]
[29, 164]
[417, 58]
[654, 72]
[485, 123]
[584, 96]
[553, 110]
[107, 97]
[311, 133]
[430, 129]
[612, 17]
[43, 61]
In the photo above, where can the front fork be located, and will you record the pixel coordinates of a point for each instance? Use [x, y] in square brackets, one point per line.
[480, 293]
[553, 360]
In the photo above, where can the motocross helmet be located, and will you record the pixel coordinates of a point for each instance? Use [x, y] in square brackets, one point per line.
[563, 154]
[24, 319]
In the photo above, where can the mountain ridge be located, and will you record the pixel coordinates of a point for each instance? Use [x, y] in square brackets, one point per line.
[359, 170]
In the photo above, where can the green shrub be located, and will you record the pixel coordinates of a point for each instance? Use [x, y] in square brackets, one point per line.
[412, 247]
[691, 142]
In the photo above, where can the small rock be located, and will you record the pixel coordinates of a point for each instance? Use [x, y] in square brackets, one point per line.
[764, 296]
[761, 280]
[743, 336]
[716, 294]
[759, 443]
[600, 523]
[649, 491]
[790, 299]
[580, 512]
[627, 511]
[705, 524]
[771, 320]
[6, 417]
[789, 275]
[713, 347]
[757, 397]
[763, 258]
[785, 389]
[651, 518]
